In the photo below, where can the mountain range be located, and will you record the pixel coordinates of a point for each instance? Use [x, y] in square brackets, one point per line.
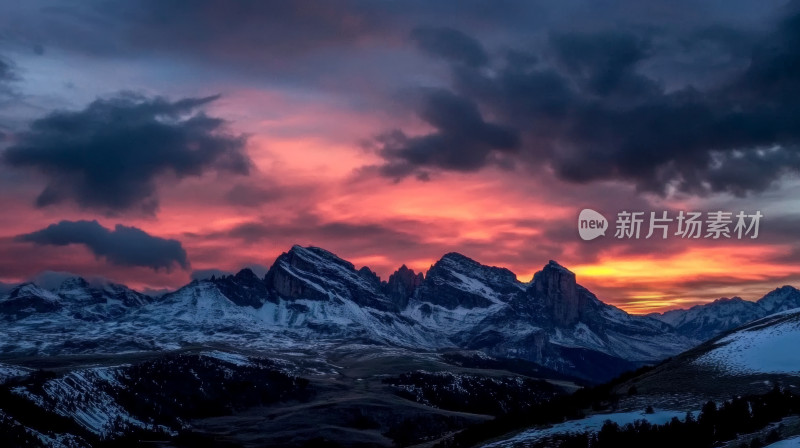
[319, 353]
[311, 298]
[703, 322]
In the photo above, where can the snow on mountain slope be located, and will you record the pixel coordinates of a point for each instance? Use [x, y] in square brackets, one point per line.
[552, 320]
[456, 281]
[75, 297]
[95, 302]
[768, 345]
[573, 317]
[204, 313]
[316, 274]
[158, 396]
[311, 295]
[794, 442]
[8, 371]
[704, 322]
[27, 299]
[782, 299]
[590, 424]
[85, 396]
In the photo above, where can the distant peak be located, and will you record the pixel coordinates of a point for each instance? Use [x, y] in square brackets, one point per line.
[246, 274]
[552, 264]
[779, 292]
[74, 282]
[455, 256]
[553, 272]
[726, 299]
[368, 274]
[455, 260]
[556, 288]
[29, 288]
[314, 251]
[783, 298]
[26, 286]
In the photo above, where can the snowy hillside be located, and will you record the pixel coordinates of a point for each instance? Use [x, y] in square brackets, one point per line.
[768, 345]
[590, 424]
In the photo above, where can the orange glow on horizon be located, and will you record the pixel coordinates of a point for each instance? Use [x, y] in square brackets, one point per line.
[649, 284]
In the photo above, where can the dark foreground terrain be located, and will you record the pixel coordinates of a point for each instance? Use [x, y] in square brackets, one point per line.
[211, 397]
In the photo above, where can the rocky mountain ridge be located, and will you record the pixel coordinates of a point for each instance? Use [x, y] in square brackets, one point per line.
[706, 321]
[311, 298]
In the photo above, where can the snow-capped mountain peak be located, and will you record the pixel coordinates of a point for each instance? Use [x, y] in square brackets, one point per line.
[706, 321]
[781, 299]
[310, 294]
[457, 281]
[27, 299]
[316, 274]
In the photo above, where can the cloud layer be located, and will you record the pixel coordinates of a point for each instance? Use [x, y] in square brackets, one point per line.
[123, 246]
[462, 141]
[110, 155]
[587, 108]
[517, 113]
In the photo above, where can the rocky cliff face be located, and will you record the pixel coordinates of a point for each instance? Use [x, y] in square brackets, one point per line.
[402, 285]
[316, 274]
[245, 289]
[311, 297]
[457, 281]
[557, 291]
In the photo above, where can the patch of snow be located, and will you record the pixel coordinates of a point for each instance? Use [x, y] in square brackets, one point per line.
[8, 371]
[230, 358]
[592, 423]
[769, 348]
[793, 442]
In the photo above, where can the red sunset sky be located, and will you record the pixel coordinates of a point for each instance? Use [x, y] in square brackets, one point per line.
[393, 136]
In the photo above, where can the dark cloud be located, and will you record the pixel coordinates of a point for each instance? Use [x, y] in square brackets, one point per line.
[252, 34]
[123, 246]
[109, 156]
[738, 137]
[277, 28]
[604, 64]
[450, 44]
[589, 109]
[463, 140]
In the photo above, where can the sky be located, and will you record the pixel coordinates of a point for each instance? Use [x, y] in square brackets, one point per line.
[153, 142]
